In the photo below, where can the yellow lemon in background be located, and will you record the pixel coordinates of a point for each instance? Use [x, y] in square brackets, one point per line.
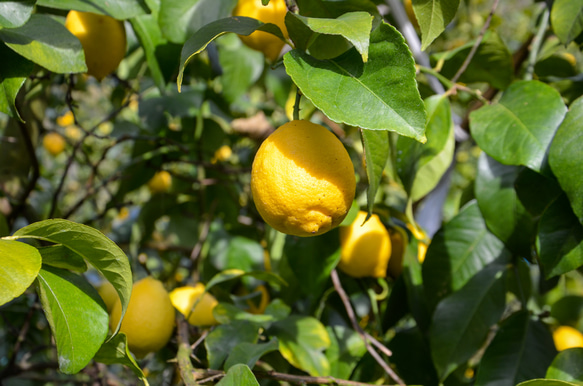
[302, 179]
[274, 12]
[161, 182]
[149, 319]
[108, 294]
[103, 39]
[222, 154]
[54, 143]
[365, 248]
[399, 241]
[567, 337]
[184, 299]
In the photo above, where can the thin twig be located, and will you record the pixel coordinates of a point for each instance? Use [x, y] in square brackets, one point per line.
[470, 56]
[365, 337]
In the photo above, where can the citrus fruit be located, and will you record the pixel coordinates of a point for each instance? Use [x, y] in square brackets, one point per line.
[302, 179]
[567, 337]
[54, 143]
[222, 154]
[274, 13]
[161, 182]
[108, 294]
[365, 248]
[103, 39]
[149, 319]
[184, 298]
[399, 241]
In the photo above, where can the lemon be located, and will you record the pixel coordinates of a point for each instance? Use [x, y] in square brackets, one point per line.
[365, 248]
[302, 179]
[222, 154]
[161, 182]
[274, 12]
[399, 241]
[149, 319]
[66, 119]
[103, 39]
[108, 294]
[184, 298]
[54, 143]
[567, 337]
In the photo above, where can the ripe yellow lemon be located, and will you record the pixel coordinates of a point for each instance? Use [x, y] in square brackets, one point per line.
[54, 143]
[184, 298]
[365, 248]
[149, 319]
[103, 39]
[302, 179]
[567, 337]
[274, 12]
[108, 294]
[161, 182]
[222, 154]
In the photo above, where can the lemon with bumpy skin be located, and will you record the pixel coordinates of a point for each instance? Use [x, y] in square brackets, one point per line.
[54, 143]
[567, 337]
[103, 39]
[365, 248]
[274, 12]
[149, 319]
[302, 179]
[184, 298]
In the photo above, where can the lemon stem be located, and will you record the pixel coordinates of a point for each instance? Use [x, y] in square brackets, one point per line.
[296, 114]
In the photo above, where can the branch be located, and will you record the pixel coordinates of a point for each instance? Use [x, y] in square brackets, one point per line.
[365, 337]
[183, 356]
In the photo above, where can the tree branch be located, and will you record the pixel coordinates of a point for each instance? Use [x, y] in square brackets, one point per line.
[184, 350]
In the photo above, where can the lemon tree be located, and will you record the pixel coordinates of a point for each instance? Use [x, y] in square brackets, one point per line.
[302, 191]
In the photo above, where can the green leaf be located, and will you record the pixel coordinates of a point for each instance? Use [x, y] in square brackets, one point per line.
[62, 257]
[345, 351]
[412, 357]
[462, 320]
[567, 19]
[520, 127]
[234, 273]
[458, 251]
[302, 340]
[150, 37]
[47, 43]
[115, 351]
[522, 349]
[376, 152]
[239, 375]
[546, 382]
[384, 88]
[19, 265]
[93, 246]
[566, 157]
[15, 13]
[568, 311]
[119, 9]
[505, 215]
[179, 19]
[332, 9]
[535, 191]
[14, 69]
[560, 239]
[239, 25]
[76, 314]
[226, 313]
[567, 366]
[249, 353]
[221, 341]
[353, 26]
[433, 16]
[492, 62]
[413, 276]
[421, 166]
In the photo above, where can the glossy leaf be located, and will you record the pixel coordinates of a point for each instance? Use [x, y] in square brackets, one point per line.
[15, 13]
[462, 320]
[380, 94]
[20, 264]
[239, 25]
[567, 366]
[566, 157]
[116, 350]
[224, 338]
[560, 239]
[119, 9]
[249, 353]
[47, 43]
[505, 215]
[433, 16]
[421, 166]
[14, 69]
[345, 351]
[520, 127]
[239, 375]
[179, 19]
[302, 340]
[458, 251]
[76, 314]
[376, 153]
[567, 19]
[522, 349]
[150, 37]
[90, 244]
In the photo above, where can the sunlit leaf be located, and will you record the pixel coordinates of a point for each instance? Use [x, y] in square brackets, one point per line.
[567, 19]
[376, 152]
[239, 375]
[19, 265]
[433, 16]
[567, 366]
[346, 349]
[15, 13]
[119, 9]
